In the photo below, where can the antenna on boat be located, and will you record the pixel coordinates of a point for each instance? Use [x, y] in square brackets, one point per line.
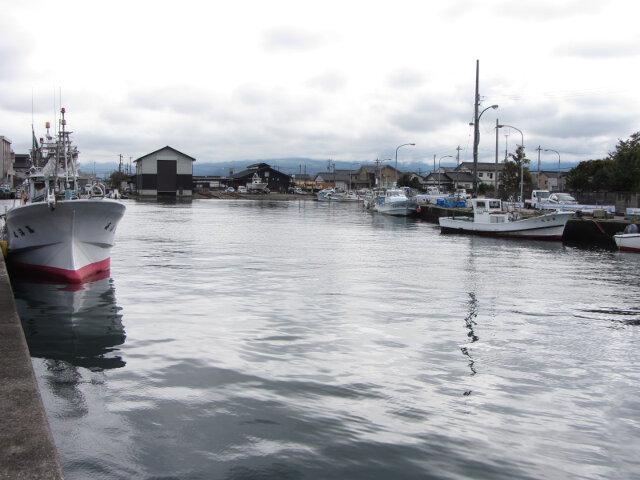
[55, 113]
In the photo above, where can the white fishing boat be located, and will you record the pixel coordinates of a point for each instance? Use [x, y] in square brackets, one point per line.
[395, 201]
[350, 196]
[329, 195]
[490, 218]
[629, 240]
[257, 185]
[56, 234]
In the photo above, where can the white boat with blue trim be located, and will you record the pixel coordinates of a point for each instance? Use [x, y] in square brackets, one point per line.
[395, 201]
[491, 219]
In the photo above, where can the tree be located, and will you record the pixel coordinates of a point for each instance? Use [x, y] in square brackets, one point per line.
[408, 180]
[624, 171]
[510, 175]
[619, 172]
[484, 189]
[116, 178]
[589, 176]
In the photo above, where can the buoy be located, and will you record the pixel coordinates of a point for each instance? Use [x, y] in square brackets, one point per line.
[418, 209]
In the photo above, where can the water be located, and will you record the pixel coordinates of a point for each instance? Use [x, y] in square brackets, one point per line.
[289, 340]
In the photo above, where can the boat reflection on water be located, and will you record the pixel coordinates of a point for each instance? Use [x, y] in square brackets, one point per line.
[78, 324]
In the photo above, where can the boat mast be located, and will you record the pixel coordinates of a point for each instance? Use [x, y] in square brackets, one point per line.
[65, 139]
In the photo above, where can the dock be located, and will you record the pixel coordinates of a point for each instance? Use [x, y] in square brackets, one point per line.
[27, 450]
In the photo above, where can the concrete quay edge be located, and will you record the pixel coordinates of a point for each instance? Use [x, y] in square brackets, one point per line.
[27, 449]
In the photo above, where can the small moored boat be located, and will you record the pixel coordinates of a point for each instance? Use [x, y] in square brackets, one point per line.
[489, 218]
[397, 202]
[629, 240]
[329, 195]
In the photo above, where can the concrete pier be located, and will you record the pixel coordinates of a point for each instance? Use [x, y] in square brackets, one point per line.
[27, 450]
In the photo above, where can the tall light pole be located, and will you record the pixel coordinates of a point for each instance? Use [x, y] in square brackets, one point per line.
[551, 150]
[476, 142]
[445, 156]
[496, 170]
[522, 162]
[403, 145]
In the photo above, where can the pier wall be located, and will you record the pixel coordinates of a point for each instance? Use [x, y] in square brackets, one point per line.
[27, 450]
[622, 200]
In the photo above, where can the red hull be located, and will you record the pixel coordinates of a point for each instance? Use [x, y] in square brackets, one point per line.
[630, 249]
[84, 274]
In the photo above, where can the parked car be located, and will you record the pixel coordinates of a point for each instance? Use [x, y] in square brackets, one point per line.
[537, 196]
[562, 199]
[231, 189]
[462, 194]
[242, 189]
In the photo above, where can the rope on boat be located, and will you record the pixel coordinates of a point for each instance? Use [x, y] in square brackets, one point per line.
[599, 226]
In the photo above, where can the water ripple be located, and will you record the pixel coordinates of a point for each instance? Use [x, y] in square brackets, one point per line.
[295, 340]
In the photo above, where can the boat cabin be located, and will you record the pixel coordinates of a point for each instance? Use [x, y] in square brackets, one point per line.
[489, 210]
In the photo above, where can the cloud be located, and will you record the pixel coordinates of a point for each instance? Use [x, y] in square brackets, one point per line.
[291, 39]
[14, 49]
[406, 78]
[329, 82]
[430, 113]
[601, 49]
[537, 11]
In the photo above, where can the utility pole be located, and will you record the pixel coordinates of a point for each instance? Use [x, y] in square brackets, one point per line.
[506, 146]
[496, 172]
[458, 155]
[120, 164]
[538, 179]
[476, 133]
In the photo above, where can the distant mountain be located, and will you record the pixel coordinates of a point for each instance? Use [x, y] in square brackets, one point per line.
[310, 166]
[102, 169]
[292, 166]
[289, 166]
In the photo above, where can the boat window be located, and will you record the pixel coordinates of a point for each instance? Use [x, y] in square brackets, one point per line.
[480, 204]
[494, 204]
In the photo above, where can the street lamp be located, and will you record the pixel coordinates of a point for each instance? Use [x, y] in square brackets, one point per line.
[551, 150]
[445, 156]
[495, 172]
[522, 162]
[476, 142]
[403, 145]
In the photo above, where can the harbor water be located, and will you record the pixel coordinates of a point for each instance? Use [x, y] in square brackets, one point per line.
[239, 339]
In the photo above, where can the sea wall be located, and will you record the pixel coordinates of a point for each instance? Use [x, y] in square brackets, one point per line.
[27, 450]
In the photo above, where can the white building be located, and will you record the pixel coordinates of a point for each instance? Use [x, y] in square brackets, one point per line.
[7, 158]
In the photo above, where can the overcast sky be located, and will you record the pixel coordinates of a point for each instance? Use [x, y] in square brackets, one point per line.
[342, 80]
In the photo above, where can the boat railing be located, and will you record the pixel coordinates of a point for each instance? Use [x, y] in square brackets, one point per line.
[97, 190]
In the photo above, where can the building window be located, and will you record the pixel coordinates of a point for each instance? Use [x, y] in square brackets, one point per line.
[480, 174]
